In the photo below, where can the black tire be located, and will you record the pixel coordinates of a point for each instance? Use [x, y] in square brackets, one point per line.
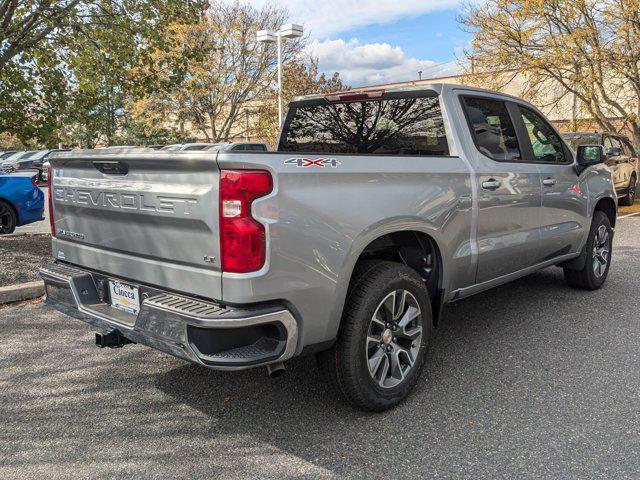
[588, 278]
[8, 218]
[630, 197]
[346, 364]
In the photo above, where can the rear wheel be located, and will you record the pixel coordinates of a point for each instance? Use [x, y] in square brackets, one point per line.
[383, 338]
[628, 200]
[598, 253]
[8, 219]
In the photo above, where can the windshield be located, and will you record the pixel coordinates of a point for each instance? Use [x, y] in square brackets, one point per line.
[17, 156]
[397, 125]
[36, 155]
[196, 147]
[217, 146]
[576, 140]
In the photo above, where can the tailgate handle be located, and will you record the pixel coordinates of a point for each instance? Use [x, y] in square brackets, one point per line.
[111, 167]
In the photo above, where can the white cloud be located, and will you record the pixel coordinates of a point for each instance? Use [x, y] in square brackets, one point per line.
[372, 63]
[324, 18]
[362, 64]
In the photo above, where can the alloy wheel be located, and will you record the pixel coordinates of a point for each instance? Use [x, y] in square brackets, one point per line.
[601, 251]
[394, 338]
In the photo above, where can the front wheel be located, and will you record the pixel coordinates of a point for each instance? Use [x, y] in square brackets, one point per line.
[630, 198]
[598, 252]
[383, 338]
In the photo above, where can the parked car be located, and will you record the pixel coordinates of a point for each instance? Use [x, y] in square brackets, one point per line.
[8, 164]
[346, 242]
[6, 154]
[35, 162]
[620, 158]
[21, 201]
[239, 147]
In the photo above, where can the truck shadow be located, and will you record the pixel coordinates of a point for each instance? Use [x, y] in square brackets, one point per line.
[485, 360]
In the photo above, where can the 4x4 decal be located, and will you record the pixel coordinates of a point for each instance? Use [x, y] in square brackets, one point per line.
[302, 162]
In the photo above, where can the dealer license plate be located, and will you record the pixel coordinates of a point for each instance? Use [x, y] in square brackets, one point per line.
[124, 297]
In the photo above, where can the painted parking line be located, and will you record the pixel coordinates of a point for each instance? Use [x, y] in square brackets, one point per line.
[629, 215]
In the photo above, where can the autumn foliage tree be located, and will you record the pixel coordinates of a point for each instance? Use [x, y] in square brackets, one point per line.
[585, 49]
[64, 63]
[225, 68]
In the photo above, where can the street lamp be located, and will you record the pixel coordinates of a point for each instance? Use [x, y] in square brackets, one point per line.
[290, 30]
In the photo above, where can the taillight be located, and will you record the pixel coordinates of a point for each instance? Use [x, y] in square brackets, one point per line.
[50, 199]
[242, 239]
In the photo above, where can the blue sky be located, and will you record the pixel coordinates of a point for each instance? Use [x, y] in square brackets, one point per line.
[435, 36]
[380, 41]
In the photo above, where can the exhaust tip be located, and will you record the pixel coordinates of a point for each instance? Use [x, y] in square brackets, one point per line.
[275, 370]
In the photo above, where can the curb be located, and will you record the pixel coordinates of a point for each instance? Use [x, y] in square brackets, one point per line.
[25, 234]
[19, 293]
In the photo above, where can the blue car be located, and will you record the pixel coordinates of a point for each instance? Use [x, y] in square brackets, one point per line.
[21, 201]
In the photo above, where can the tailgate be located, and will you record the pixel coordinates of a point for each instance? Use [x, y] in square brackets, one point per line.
[145, 216]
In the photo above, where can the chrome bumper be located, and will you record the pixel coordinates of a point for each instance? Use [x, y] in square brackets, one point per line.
[206, 333]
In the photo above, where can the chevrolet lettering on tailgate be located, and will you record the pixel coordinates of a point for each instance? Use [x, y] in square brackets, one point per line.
[126, 201]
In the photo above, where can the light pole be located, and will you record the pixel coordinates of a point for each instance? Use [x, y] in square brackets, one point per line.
[290, 30]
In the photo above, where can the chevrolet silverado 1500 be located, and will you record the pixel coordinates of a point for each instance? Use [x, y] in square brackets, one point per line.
[377, 208]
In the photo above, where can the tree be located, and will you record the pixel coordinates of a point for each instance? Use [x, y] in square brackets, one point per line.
[64, 65]
[589, 48]
[225, 69]
[25, 24]
[300, 76]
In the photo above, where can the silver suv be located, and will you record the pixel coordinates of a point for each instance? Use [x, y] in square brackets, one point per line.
[378, 208]
[621, 159]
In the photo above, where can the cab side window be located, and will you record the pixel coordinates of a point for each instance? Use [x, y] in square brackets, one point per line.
[492, 128]
[607, 143]
[545, 142]
[613, 142]
[618, 143]
[629, 150]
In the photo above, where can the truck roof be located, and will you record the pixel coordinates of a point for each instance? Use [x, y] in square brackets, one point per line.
[438, 88]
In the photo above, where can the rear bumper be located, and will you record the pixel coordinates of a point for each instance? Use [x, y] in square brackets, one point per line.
[202, 332]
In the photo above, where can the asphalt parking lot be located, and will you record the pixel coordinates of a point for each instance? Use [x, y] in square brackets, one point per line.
[529, 380]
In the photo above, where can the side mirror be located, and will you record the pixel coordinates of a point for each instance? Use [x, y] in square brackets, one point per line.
[590, 155]
[614, 152]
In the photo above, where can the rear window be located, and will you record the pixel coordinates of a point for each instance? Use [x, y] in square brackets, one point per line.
[388, 126]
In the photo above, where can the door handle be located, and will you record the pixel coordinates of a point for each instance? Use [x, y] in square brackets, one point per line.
[549, 182]
[491, 184]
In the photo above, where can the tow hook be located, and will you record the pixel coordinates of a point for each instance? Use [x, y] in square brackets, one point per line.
[111, 339]
[276, 369]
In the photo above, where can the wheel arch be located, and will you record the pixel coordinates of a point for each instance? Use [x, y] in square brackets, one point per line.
[401, 245]
[608, 206]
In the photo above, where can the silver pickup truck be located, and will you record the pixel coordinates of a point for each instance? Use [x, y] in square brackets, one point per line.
[377, 209]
